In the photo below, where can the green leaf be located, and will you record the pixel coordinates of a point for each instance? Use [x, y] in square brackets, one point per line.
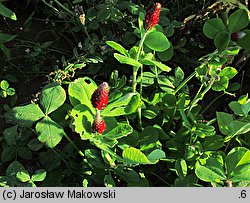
[157, 41]
[224, 119]
[141, 20]
[122, 130]
[10, 135]
[80, 92]
[5, 50]
[52, 97]
[3, 94]
[237, 163]
[245, 41]
[132, 7]
[39, 175]
[4, 181]
[8, 154]
[221, 40]
[129, 141]
[103, 14]
[220, 60]
[242, 173]
[7, 12]
[117, 47]
[160, 65]
[6, 38]
[35, 145]
[156, 155]
[85, 183]
[23, 176]
[4, 85]
[148, 136]
[49, 132]
[189, 181]
[221, 85]
[12, 170]
[181, 168]
[127, 174]
[238, 20]
[24, 153]
[134, 156]
[25, 115]
[237, 128]
[94, 158]
[236, 107]
[125, 105]
[241, 109]
[212, 27]
[129, 38]
[109, 181]
[149, 114]
[167, 54]
[211, 171]
[165, 84]
[179, 74]
[229, 72]
[147, 79]
[126, 60]
[82, 121]
[213, 143]
[11, 91]
[61, 114]
[50, 160]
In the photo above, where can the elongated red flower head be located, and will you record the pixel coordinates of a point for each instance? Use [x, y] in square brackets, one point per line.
[99, 124]
[99, 98]
[152, 16]
[236, 36]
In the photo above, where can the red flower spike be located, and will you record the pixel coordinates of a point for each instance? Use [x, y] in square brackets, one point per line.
[99, 98]
[236, 36]
[99, 124]
[152, 16]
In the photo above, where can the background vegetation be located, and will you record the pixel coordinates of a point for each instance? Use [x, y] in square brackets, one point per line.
[178, 111]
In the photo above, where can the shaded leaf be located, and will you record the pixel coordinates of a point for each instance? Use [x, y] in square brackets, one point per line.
[49, 132]
[52, 97]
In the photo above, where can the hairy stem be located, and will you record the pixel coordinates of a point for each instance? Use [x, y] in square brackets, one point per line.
[74, 145]
[135, 69]
[185, 82]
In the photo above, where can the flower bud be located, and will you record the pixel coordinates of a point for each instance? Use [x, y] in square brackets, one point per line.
[236, 36]
[152, 16]
[99, 124]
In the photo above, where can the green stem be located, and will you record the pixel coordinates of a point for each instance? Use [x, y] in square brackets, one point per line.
[135, 69]
[139, 117]
[141, 80]
[185, 82]
[73, 144]
[195, 99]
[210, 104]
[66, 9]
[199, 96]
[172, 118]
[185, 119]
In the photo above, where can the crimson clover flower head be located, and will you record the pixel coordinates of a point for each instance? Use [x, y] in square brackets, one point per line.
[99, 124]
[152, 16]
[99, 98]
